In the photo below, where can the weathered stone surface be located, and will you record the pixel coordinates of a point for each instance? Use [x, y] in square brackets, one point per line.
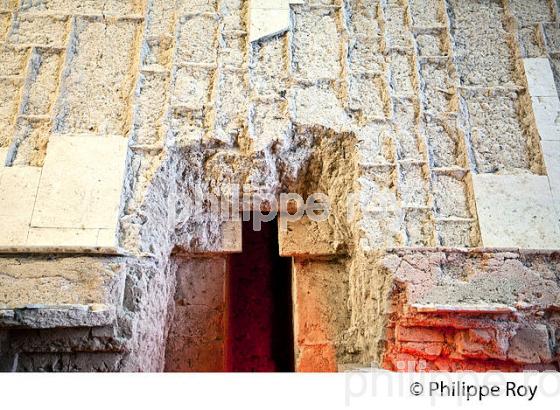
[89, 199]
[47, 317]
[59, 281]
[470, 339]
[320, 315]
[402, 103]
[417, 334]
[196, 340]
[530, 345]
[98, 82]
[481, 343]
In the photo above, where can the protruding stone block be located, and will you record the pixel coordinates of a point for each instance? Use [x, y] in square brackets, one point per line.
[81, 183]
[269, 17]
[547, 116]
[551, 154]
[481, 343]
[3, 157]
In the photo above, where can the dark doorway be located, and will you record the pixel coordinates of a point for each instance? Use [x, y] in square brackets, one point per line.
[259, 304]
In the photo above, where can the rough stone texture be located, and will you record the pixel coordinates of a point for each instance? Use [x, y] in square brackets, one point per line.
[471, 311]
[400, 102]
[320, 314]
[196, 337]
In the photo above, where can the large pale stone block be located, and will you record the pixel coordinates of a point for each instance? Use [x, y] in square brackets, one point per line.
[551, 153]
[539, 77]
[308, 238]
[3, 157]
[81, 184]
[107, 239]
[516, 211]
[269, 17]
[268, 22]
[65, 238]
[18, 187]
[547, 116]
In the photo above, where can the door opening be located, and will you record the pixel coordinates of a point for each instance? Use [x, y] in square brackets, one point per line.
[259, 304]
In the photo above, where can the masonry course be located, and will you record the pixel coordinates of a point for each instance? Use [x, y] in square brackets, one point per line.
[440, 116]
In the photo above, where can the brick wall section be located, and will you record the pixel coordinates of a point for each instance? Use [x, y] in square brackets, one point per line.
[474, 312]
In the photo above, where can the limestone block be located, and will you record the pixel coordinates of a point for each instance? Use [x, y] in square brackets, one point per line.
[232, 237]
[547, 116]
[59, 282]
[269, 17]
[201, 281]
[268, 22]
[81, 183]
[197, 332]
[308, 238]
[3, 157]
[316, 52]
[516, 211]
[551, 153]
[41, 88]
[18, 187]
[197, 41]
[481, 343]
[530, 345]
[320, 297]
[48, 317]
[97, 82]
[539, 77]
[71, 238]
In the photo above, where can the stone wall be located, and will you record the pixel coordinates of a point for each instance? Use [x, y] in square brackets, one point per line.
[196, 340]
[472, 311]
[434, 121]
